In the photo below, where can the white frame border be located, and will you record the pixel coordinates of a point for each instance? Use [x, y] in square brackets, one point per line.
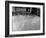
[25, 32]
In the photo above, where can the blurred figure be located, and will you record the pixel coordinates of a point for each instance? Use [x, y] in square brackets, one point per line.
[29, 20]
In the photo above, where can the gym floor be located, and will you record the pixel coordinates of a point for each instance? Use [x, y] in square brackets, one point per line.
[25, 23]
